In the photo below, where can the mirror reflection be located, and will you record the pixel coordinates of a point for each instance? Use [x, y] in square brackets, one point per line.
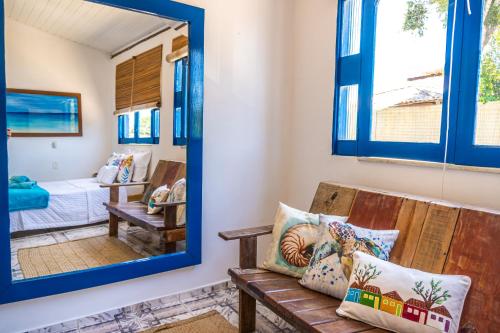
[97, 124]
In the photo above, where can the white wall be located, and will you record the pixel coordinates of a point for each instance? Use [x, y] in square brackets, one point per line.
[165, 149]
[310, 161]
[39, 61]
[244, 118]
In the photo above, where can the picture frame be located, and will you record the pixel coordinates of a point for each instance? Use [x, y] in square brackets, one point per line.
[39, 113]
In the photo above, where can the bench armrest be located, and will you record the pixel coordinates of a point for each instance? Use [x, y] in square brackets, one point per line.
[248, 243]
[246, 233]
[170, 204]
[123, 185]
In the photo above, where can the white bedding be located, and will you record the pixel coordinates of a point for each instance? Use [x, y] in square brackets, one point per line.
[72, 203]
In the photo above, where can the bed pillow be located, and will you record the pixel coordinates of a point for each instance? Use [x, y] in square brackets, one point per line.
[295, 233]
[107, 174]
[126, 170]
[115, 159]
[159, 195]
[178, 194]
[141, 165]
[331, 263]
[402, 299]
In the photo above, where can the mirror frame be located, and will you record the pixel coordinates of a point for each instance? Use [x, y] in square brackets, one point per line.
[12, 291]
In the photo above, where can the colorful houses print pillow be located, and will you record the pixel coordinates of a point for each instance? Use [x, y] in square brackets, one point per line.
[401, 299]
[294, 235]
[331, 263]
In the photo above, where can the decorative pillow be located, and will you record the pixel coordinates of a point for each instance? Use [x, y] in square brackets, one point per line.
[115, 159]
[107, 174]
[126, 170]
[178, 194]
[331, 263]
[402, 299]
[294, 235]
[159, 195]
[141, 165]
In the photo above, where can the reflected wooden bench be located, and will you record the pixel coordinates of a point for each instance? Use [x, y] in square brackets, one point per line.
[166, 173]
[434, 236]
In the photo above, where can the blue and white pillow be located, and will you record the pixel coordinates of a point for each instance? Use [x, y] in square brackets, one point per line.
[331, 263]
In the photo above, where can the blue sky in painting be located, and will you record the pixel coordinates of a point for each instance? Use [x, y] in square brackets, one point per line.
[32, 103]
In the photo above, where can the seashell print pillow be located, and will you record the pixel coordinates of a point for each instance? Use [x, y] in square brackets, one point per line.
[331, 263]
[402, 299]
[295, 233]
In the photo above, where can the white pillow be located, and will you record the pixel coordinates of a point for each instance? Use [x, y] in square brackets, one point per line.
[178, 194]
[115, 159]
[107, 174]
[141, 165]
[402, 299]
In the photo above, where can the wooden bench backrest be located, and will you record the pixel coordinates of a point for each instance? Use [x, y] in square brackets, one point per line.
[166, 173]
[433, 237]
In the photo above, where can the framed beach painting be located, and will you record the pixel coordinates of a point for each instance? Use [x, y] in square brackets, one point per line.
[34, 113]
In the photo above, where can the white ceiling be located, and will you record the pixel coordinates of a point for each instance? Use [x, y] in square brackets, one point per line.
[102, 27]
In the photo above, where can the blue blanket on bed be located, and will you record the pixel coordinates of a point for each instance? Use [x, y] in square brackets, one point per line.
[25, 194]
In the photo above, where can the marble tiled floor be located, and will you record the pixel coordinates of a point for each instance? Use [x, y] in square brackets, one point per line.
[221, 297]
[140, 240]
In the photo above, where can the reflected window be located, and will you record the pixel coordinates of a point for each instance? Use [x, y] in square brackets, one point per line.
[180, 102]
[139, 127]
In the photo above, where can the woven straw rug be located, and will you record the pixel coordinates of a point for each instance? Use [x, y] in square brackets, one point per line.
[210, 322]
[73, 256]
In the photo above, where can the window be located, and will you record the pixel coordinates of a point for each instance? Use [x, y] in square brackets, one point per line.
[141, 126]
[180, 102]
[398, 73]
[371, 297]
[386, 302]
[392, 303]
[433, 316]
[410, 310]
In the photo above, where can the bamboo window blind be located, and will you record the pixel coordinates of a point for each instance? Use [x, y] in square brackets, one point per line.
[138, 82]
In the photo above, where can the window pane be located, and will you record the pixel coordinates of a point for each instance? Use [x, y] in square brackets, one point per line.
[351, 27]
[410, 56]
[145, 123]
[129, 125]
[178, 75]
[178, 122]
[488, 108]
[348, 112]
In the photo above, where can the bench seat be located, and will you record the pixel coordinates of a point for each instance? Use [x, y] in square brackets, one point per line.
[436, 237]
[307, 310]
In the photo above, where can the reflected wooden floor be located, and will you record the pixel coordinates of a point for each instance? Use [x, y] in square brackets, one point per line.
[141, 241]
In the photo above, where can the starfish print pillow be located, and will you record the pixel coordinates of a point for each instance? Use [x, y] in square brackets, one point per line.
[331, 263]
[402, 299]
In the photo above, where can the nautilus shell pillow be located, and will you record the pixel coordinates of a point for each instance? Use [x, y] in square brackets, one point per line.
[402, 299]
[295, 233]
[331, 263]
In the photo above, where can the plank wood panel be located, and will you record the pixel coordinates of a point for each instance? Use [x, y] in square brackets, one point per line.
[342, 326]
[375, 210]
[311, 304]
[318, 316]
[410, 222]
[275, 285]
[474, 252]
[333, 200]
[435, 238]
[244, 233]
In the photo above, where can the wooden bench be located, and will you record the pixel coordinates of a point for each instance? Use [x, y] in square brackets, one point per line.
[166, 173]
[434, 237]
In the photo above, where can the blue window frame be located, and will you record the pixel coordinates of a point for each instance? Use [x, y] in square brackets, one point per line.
[180, 102]
[471, 137]
[139, 127]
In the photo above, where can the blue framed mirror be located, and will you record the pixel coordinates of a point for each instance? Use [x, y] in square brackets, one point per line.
[123, 199]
